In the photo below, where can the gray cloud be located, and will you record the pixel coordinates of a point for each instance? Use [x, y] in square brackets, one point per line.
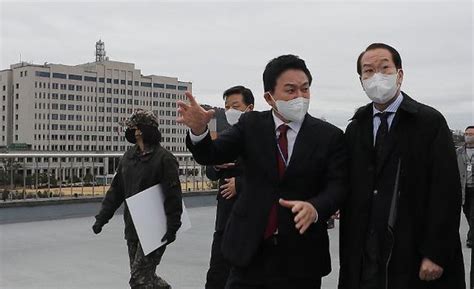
[217, 45]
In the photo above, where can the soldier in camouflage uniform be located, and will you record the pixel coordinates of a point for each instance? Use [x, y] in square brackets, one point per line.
[142, 166]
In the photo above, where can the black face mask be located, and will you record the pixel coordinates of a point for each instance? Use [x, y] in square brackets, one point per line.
[130, 135]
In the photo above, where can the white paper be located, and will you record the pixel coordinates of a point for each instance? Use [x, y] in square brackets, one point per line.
[149, 218]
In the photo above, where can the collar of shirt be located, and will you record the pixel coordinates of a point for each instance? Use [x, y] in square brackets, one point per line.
[294, 126]
[393, 107]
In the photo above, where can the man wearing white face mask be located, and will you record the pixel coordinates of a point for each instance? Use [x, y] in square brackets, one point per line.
[238, 100]
[465, 164]
[400, 222]
[294, 180]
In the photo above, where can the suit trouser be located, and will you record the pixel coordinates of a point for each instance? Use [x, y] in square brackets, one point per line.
[266, 271]
[468, 209]
[219, 267]
[143, 268]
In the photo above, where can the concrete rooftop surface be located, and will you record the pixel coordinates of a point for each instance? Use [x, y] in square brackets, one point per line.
[65, 254]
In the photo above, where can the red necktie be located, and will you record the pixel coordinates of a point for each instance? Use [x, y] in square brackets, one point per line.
[282, 160]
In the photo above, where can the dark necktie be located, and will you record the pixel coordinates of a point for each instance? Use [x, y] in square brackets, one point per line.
[381, 135]
[282, 160]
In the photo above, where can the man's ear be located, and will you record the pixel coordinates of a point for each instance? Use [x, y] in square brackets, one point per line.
[251, 107]
[268, 97]
[401, 77]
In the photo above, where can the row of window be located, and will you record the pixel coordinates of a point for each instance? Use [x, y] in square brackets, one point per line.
[109, 90]
[94, 148]
[109, 80]
[108, 138]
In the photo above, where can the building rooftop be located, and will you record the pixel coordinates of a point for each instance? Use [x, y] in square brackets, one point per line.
[64, 253]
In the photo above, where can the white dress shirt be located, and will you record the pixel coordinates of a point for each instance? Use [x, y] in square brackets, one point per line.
[393, 107]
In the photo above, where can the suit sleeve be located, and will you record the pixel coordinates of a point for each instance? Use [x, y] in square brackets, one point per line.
[172, 192]
[213, 174]
[226, 148]
[329, 200]
[443, 201]
[113, 198]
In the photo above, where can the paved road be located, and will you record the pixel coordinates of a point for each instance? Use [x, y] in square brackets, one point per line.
[64, 254]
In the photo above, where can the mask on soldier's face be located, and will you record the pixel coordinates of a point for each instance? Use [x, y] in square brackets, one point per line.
[469, 139]
[130, 135]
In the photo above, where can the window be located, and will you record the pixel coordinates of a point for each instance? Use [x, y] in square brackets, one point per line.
[136, 83]
[62, 117]
[55, 85]
[62, 96]
[79, 97]
[70, 107]
[70, 87]
[62, 106]
[59, 75]
[90, 78]
[109, 90]
[79, 107]
[170, 86]
[17, 86]
[43, 74]
[182, 87]
[78, 117]
[62, 86]
[70, 97]
[75, 77]
[109, 80]
[54, 116]
[54, 106]
[78, 87]
[116, 81]
[122, 81]
[101, 79]
[146, 84]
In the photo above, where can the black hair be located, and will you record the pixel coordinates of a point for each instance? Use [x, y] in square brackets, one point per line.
[395, 55]
[239, 89]
[469, 127]
[281, 64]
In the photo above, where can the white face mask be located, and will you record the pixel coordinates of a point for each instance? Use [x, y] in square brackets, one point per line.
[292, 110]
[233, 115]
[381, 88]
[469, 139]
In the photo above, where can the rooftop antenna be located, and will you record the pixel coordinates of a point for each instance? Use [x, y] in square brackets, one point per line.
[100, 51]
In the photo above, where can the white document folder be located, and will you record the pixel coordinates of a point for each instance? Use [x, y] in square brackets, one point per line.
[149, 218]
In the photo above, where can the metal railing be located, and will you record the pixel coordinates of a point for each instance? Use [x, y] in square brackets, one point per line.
[73, 175]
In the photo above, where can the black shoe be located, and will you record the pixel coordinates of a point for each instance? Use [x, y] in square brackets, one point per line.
[469, 243]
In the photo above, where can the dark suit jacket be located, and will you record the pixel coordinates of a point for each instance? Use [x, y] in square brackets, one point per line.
[429, 205]
[316, 173]
[224, 206]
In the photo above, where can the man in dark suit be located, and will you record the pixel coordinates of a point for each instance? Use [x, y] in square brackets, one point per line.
[294, 179]
[400, 222]
[238, 100]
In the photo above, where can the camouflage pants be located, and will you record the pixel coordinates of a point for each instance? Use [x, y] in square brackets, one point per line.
[143, 268]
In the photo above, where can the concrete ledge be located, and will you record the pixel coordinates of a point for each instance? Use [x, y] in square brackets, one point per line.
[79, 200]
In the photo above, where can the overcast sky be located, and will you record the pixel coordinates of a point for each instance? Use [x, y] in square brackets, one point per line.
[216, 45]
